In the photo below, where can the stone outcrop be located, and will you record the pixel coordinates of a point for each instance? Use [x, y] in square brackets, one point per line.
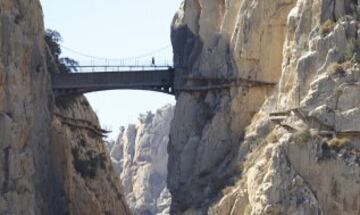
[140, 158]
[259, 149]
[49, 164]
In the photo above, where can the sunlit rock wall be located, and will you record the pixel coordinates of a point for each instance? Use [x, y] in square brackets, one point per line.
[220, 40]
[140, 157]
[39, 172]
[226, 154]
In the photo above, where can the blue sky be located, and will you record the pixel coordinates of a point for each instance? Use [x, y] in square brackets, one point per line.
[115, 29]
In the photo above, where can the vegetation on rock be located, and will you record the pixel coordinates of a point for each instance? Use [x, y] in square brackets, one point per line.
[301, 136]
[338, 143]
[327, 27]
[87, 162]
[352, 51]
[64, 64]
[336, 69]
[55, 62]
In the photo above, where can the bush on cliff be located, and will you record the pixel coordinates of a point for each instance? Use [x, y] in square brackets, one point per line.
[327, 27]
[338, 143]
[64, 64]
[352, 51]
[87, 162]
[301, 136]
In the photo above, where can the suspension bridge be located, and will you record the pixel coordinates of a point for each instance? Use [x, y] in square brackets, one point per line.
[163, 78]
[151, 78]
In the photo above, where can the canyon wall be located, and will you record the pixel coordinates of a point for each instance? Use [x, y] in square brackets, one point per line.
[50, 163]
[283, 137]
[140, 158]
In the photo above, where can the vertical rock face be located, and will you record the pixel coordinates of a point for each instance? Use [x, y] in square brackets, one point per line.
[232, 40]
[82, 162]
[227, 155]
[48, 163]
[140, 157]
[27, 185]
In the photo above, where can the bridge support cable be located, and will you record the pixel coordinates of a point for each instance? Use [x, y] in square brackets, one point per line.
[138, 60]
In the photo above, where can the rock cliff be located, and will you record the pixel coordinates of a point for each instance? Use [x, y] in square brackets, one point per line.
[50, 163]
[282, 138]
[140, 157]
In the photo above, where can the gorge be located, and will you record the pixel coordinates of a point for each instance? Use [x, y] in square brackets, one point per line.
[274, 128]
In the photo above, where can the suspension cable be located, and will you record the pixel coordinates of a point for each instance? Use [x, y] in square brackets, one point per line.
[117, 59]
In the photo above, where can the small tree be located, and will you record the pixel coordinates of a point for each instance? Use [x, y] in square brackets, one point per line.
[65, 64]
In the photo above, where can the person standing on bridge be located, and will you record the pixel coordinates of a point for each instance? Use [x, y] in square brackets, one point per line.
[153, 61]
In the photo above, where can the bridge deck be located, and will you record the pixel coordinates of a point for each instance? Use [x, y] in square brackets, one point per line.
[155, 80]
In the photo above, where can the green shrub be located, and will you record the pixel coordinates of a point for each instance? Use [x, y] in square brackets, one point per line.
[87, 162]
[352, 51]
[272, 137]
[327, 27]
[336, 69]
[65, 102]
[64, 64]
[338, 143]
[301, 136]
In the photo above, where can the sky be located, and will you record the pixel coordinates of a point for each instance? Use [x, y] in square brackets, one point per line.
[105, 32]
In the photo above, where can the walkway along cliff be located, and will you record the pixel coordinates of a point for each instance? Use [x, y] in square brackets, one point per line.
[52, 158]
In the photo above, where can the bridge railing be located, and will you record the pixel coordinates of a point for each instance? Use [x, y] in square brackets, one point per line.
[119, 68]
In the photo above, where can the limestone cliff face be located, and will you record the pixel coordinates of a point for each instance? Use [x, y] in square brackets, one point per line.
[226, 155]
[48, 163]
[140, 157]
[82, 162]
[220, 40]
